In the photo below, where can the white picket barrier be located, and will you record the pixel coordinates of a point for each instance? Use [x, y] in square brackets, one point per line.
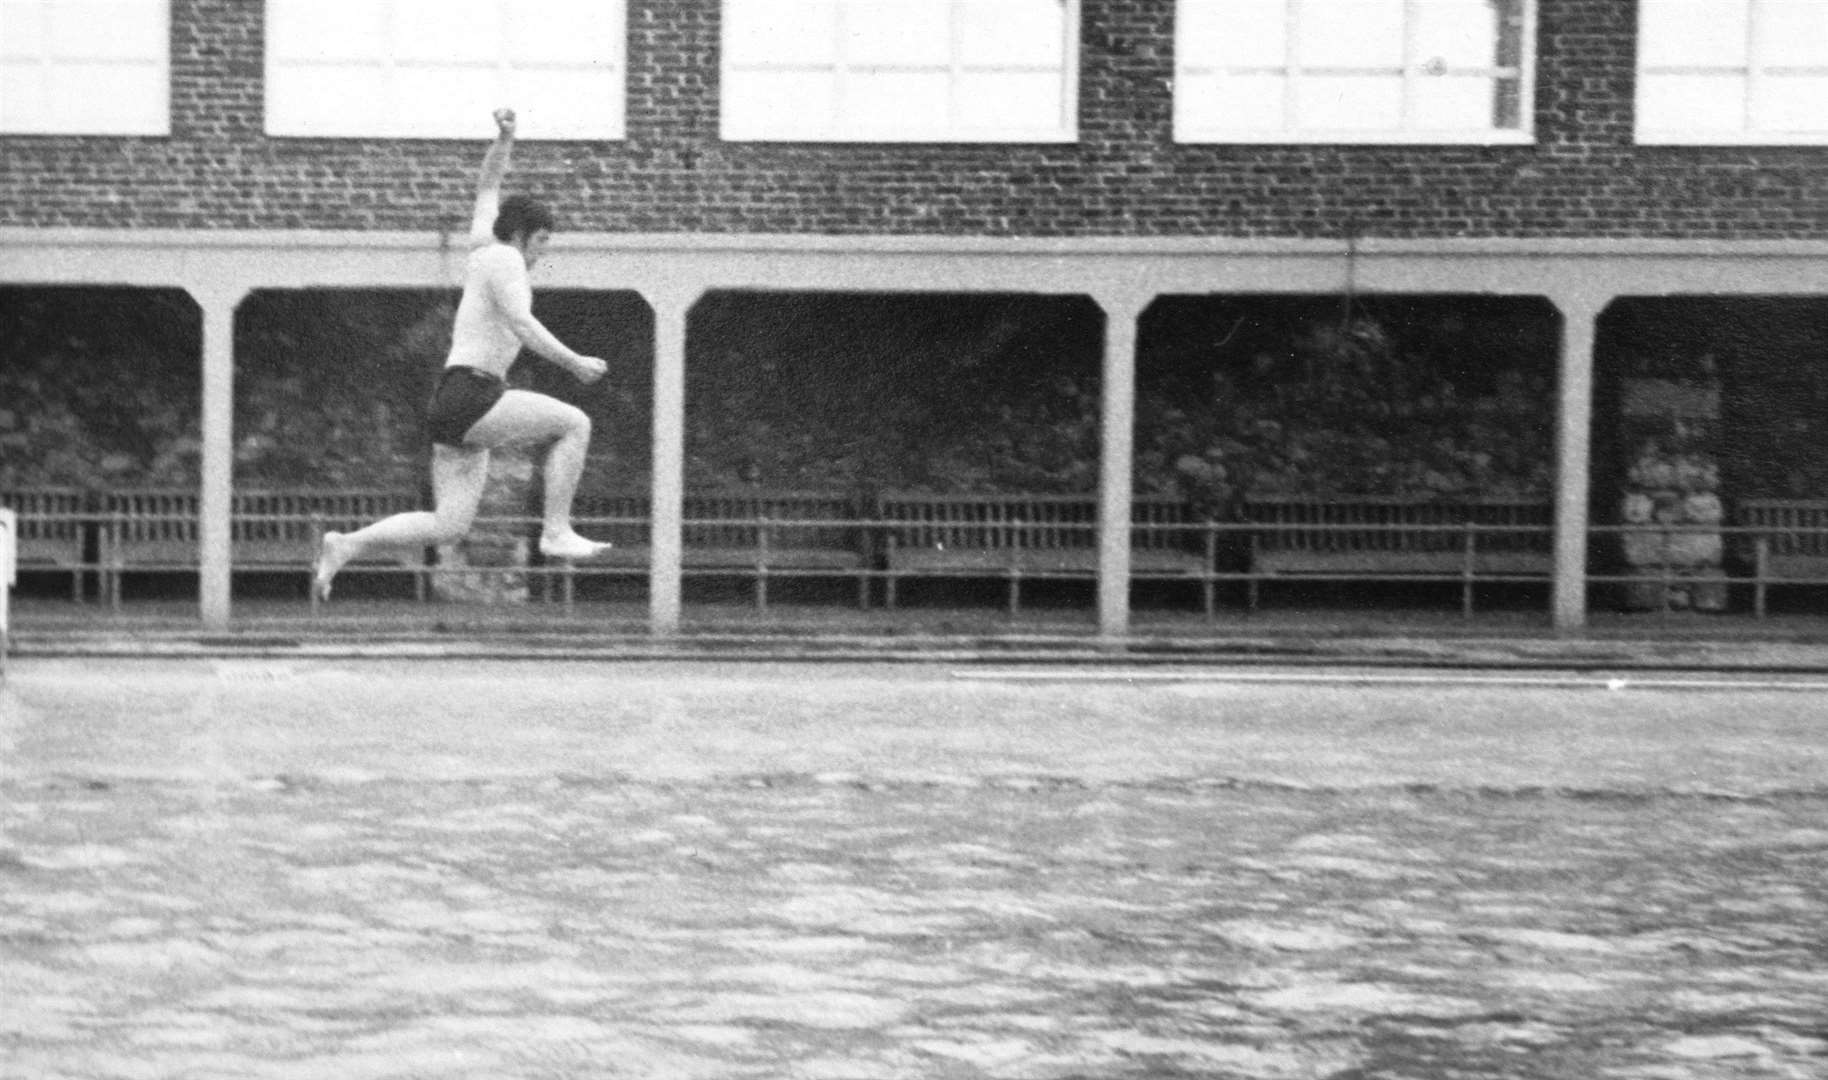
[9, 573]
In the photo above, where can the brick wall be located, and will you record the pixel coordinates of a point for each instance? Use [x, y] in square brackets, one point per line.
[1125, 176]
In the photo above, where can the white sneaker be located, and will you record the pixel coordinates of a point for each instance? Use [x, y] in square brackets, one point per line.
[571, 546]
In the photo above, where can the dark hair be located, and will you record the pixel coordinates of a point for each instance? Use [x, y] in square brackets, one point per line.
[521, 215]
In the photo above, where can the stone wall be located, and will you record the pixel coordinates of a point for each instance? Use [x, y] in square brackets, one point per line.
[1671, 503]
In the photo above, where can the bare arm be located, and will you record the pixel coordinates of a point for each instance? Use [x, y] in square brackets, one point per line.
[513, 296]
[488, 187]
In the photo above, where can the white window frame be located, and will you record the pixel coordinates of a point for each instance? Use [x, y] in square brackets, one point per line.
[1752, 72]
[839, 130]
[51, 122]
[1413, 69]
[381, 120]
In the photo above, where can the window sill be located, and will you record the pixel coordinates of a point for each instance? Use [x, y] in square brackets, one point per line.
[468, 137]
[1356, 138]
[1731, 138]
[868, 138]
[83, 133]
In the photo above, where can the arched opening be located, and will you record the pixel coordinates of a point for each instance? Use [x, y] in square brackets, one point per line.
[1385, 452]
[1710, 480]
[331, 387]
[100, 392]
[968, 410]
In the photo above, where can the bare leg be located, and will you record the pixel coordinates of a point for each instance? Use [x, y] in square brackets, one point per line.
[457, 483]
[523, 417]
[564, 468]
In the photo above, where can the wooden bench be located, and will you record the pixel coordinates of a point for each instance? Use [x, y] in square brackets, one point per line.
[1359, 538]
[757, 534]
[156, 530]
[1789, 543]
[54, 528]
[1014, 537]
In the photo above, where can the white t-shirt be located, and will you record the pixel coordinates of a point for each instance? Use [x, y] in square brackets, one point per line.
[482, 336]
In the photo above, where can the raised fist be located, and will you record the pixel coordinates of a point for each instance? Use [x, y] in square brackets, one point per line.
[504, 121]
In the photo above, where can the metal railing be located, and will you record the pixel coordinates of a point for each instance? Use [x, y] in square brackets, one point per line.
[1017, 541]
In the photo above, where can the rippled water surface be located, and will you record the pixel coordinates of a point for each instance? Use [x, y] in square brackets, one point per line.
[803, 925]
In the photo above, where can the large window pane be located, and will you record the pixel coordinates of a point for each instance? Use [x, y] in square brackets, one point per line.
[994, 33]
[84, 67]
[1733, 71]
[436, 68]
[561, 33]
[1356, 70]
[451, 31]
[1792, 103]
[94, 97]
[1794, 33]
[1691, 33]
[1254, 102]
[1350, 33]
[910, 102]
[897, 33]
[22, 95]
[898, 70]
[309, 109]
[1714, 103]
[780, 32]
[1254, 33]
[327, 30]
[1009, 101]
[22, 29]
[778, 104]
[1452, 103]
[554, 108]
[443, 98]
[115, 30]
[1457, 33]
[1347, 103]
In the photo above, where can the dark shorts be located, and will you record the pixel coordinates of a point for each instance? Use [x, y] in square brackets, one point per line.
[463, 396]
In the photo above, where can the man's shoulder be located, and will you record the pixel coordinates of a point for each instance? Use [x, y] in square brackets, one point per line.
[497, 258]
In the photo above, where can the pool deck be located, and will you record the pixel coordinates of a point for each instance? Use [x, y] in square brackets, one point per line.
[1324, 637]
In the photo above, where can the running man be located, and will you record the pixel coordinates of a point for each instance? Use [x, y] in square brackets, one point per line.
[472, 411]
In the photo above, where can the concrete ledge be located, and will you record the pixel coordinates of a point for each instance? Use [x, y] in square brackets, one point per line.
[1294, 647]
[236, 261]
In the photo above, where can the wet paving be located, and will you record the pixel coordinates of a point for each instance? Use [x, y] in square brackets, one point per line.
[977, 921]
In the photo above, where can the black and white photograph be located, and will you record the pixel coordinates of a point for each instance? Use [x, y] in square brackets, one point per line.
[913, 539]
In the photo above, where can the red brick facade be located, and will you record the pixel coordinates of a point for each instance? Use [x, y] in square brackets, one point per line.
[1125, 175]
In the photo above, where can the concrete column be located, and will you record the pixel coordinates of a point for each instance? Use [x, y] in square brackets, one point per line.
[215, 497]
[9, 576]
[1117, 451]
[671, 309]
[1574, 448]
